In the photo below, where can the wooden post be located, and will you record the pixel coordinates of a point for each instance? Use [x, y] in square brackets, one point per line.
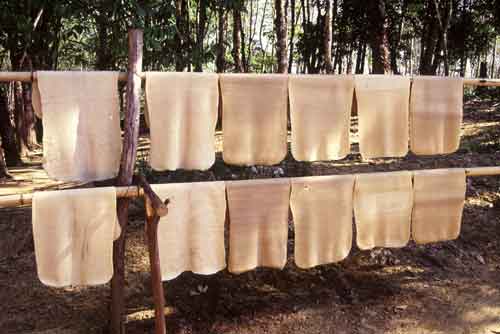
[155, 209]
[127, 165]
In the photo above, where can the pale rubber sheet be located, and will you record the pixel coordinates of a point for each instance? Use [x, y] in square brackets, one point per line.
[320, 112]
[191, 235]
[436, 108]
[439, 198]
[81, 124]
[73, 232]
[182, 113]
[383, 109]
[382, 209]
[254, 118]
[258, 223]
[322, 215]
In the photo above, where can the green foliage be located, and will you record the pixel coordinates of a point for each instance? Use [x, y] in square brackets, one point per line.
[88, 34]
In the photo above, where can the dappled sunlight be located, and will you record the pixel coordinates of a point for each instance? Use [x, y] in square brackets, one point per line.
[27, 180]
[483, 319]
[148, 314]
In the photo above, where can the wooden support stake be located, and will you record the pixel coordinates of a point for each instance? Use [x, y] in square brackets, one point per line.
[127, 165]
[159, 207]
[155, 209]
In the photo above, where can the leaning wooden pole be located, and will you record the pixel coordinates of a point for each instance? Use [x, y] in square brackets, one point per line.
[155, 209]
[152, 220]
[127, 165]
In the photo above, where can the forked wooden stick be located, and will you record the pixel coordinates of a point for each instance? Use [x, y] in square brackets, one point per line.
[155, 209]
[125, 175]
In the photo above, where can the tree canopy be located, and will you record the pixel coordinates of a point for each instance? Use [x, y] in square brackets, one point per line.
[307, 36]
[432, 37]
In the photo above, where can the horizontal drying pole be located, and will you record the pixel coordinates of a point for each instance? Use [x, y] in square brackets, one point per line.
[31, 76]
[8, 201]
[133, 191]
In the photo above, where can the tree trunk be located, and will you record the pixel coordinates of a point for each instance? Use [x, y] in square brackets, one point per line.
[8, 133]
[127, 165]
[443, 16]
[104, 56]
[182, 34]
[493, 74]
[238, 65]
[29, 119]
[187, 35]
[18, 116]
[483, 70]
[292, 35]
[379, 41]
[334, 26]
[4, 172]
[349, 59]
[360, 58]
[251, 34]
[200, 36]
[220, 61]
[24, 117]
[463, 63]
[327, 40]
[397, 41]
[281, 34]
[430, 41]
[261, 31]
[244, 60]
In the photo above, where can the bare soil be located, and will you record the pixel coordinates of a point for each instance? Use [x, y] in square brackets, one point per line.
[450, 287]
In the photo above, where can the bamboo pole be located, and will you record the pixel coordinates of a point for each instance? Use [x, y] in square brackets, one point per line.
[125, 175]
[9, 201]
[31, 76]
[132, 191]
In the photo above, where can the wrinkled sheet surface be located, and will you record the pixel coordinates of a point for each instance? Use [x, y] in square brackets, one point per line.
[436, 109]
[182, 113]
[439, 198]
[383, 109]
[73, 232]
[258, 223]
[81, 124]
[191, 235]
[322, 214]
[254, 118]
[382, 209]
[320, 112]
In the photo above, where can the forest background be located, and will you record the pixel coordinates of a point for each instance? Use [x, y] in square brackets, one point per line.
[408, 37]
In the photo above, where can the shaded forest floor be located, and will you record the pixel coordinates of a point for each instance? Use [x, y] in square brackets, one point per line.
[451, 287]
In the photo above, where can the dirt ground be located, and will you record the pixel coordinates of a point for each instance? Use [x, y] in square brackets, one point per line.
[450, 287]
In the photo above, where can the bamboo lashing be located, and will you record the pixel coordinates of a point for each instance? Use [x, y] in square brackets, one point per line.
[31, 76]
[133, 192]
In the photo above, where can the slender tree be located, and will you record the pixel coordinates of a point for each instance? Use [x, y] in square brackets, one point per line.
[430, 45]
[220, 61]
[237, 29]
[293, 24]
[327, 38]
[444, 10]
[379, 42]
[252, 28]
[7, 131]
[280, 25]
[200, 35]
[182, 35]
